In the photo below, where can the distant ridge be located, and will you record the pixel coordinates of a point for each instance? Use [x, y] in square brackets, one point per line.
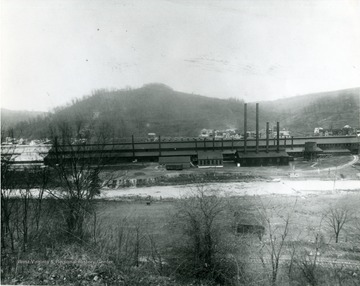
[159, 109]
[9, 118]
[331, 109]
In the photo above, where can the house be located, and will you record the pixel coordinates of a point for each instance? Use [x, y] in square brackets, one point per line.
[210, 159]
[318, 131]
[175, 162]
[247, 222]
[282, 134]
[251, 134]
[206, 133]
[152, 137]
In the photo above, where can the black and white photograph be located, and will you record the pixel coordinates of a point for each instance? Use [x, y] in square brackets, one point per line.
[180, 142]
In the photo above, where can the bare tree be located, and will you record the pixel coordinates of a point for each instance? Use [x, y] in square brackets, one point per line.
[201, 252]
[155, 255]
[277, 235]
[7, 191]
[75, 166]
[32, 182]
[76, 169]
[21, 204]
[307, 262]
[357, 228]
[336, 218]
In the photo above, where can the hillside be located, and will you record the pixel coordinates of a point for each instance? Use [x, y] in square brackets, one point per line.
[12, 118]
[333, 109]
[121, 113]
[157, 108]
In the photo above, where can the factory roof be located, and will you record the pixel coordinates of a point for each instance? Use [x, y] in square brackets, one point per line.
[294, 150]
[226, 152]
[210, 155]
[263, 155]
[337, 151]
[174, 159]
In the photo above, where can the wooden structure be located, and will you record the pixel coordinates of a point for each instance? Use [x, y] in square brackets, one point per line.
[210, 159]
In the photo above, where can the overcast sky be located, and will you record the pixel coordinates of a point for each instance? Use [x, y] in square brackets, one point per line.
[53, 51]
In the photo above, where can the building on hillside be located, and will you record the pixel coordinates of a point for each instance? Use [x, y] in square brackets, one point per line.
[175, 162]
[282, 134]
[210, 159]
[252, 134]
[152, 137]
[206, 133]
[347, 130]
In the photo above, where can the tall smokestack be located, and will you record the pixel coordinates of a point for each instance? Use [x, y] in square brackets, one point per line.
[133, 146]
[278, 137]
[159, 146]
[245, 125]
[267, 137]
[257, 127]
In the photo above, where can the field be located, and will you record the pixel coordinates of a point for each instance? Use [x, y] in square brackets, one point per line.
[309, 232]
[143, 235]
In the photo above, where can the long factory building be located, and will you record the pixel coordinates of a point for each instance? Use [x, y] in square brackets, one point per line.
[246, 152]
[201, 152]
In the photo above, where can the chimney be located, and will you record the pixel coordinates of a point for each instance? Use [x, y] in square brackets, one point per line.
[278, 137]
[267, 137]
[133, 146]
[257, 127]
[245, 126]
[159, 146]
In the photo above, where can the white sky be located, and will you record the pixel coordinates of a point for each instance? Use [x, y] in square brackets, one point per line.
[53, 51]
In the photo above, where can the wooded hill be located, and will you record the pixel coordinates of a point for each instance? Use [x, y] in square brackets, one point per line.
[159, 109]
[9, 118]
[332, 110]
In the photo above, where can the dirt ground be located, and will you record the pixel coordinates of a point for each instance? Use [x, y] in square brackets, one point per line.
[335, 175]
[325, 167]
